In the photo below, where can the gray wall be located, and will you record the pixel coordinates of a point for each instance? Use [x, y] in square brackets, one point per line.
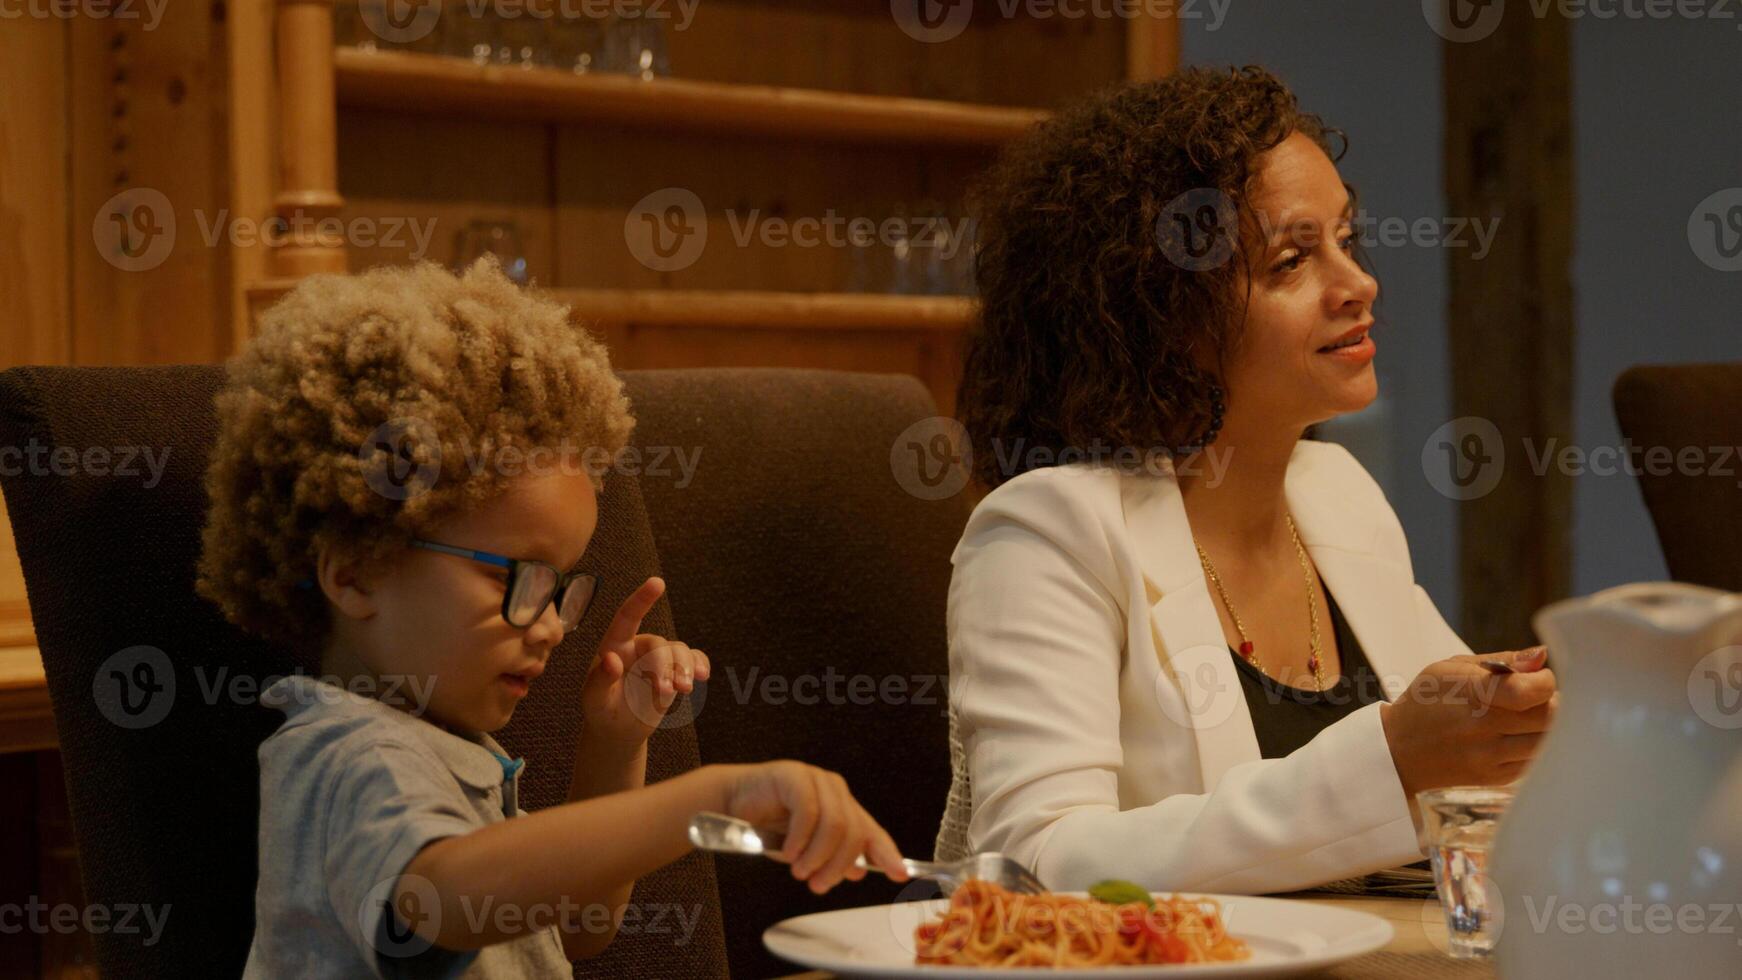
[1658, 130]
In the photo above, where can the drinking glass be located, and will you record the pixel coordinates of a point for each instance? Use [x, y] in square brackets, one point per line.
[1459, 823]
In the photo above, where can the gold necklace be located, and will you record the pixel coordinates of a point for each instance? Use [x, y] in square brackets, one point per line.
[1247, 650]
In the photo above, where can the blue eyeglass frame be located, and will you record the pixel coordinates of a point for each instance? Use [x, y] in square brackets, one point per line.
[514, 566]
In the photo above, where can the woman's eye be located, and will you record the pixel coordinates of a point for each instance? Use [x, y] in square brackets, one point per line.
[1291, 263]
[1347, 244]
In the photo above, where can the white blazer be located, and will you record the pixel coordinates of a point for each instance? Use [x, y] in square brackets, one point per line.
[1098, 725]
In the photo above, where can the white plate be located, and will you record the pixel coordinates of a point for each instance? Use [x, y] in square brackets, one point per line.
[1286, 937]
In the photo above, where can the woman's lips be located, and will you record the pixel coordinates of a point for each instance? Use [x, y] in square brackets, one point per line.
[1354, 353]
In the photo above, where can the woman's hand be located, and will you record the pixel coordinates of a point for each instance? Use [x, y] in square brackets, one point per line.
[636, 676]
[1459, 725]
[826, 829]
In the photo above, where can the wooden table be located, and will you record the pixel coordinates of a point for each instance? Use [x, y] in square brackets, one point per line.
[1416, 952]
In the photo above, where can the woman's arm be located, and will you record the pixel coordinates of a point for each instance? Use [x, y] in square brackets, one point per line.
[1038, 639]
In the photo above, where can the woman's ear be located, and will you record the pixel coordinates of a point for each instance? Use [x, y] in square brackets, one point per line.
[346, 584]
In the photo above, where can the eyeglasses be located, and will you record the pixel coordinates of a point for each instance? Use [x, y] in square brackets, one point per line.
[532, 586]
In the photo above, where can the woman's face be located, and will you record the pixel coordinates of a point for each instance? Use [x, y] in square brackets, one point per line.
[1306, 293]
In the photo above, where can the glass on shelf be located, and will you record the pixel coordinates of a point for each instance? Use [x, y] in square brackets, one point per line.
[525, 40]
[579, 44]
[469, 34]
[636, 44]
[945, 244]
[483, 237]
[926, 252]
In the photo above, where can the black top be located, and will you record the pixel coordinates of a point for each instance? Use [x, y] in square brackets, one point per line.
[1287, 718]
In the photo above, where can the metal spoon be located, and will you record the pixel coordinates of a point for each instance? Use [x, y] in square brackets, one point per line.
[729, 835]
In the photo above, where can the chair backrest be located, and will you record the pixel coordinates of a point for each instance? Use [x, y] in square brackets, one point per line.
[1697, 510]
[817, 585]
[154, 693]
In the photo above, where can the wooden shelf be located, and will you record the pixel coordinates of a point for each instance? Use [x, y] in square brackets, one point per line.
[771, 310]
[433, 84]
[738, 308]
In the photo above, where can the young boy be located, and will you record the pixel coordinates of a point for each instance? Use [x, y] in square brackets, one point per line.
[363, 512]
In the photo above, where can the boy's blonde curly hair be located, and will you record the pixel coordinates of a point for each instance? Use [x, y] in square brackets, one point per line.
[351, 384]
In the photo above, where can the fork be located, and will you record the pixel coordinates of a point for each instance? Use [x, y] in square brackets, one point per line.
[729, 835]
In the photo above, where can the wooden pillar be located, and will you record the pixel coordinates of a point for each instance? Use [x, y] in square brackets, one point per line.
[1151, 47]
[1508, 157]
[308, 141]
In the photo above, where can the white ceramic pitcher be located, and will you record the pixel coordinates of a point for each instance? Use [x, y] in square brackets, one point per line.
[1622, 853]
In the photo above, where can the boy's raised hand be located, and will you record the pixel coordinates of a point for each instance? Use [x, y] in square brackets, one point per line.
[826, 828]
[636, 676]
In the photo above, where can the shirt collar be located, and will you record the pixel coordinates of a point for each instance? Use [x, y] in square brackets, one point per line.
[474, 758]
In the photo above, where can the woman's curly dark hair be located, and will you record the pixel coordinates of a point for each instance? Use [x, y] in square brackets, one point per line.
[1093, 340]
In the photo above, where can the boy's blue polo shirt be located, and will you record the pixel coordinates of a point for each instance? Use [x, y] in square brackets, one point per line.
[350, 790]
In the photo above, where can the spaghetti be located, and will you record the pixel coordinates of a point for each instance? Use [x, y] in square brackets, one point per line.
[986, 925]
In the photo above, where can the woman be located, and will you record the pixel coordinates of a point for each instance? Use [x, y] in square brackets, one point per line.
[1186, 644]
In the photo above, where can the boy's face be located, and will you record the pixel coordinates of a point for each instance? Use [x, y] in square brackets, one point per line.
[439, 616]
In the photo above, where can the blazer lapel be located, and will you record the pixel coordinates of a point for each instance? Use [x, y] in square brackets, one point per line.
[1182, 617]
[1374, 593]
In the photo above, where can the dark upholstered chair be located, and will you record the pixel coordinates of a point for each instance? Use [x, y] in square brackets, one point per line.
[1698, 515]
[792, 551]
[798, 563]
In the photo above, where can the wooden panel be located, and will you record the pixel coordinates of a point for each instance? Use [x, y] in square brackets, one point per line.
[26, 716]
[15, 629]
[33, 196]
[397, 174]
[1151, 47]
[1509, 152]
[35, 300]
[858, 46]
[148, 117]
[253, 119]
[744, 189]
